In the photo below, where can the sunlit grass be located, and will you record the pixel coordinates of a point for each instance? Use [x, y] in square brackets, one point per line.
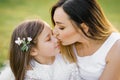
[112, 11]
[12, 12]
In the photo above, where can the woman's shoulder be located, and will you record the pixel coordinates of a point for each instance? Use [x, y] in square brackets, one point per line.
[114, 42]
[113, 61]
[114, 52]
[116, 47]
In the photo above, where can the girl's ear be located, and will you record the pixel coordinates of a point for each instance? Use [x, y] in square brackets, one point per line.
[33, 52]
[84, 27]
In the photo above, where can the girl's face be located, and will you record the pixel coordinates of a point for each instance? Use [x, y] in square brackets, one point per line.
[64, 29]
[47, 45]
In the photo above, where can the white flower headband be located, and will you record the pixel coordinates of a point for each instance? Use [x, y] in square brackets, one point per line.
[24, 43]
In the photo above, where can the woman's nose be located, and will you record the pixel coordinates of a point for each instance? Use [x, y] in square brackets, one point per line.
[55, 39]
[55, 33]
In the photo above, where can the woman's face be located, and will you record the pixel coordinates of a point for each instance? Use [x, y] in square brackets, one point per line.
[47, 44]
[64, 29]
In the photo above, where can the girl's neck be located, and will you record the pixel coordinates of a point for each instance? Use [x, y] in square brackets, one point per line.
[46, 60]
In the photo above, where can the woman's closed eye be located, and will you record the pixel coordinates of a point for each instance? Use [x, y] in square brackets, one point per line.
[61, 28]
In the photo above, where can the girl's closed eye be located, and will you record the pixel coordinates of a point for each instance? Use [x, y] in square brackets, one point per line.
[48, 38]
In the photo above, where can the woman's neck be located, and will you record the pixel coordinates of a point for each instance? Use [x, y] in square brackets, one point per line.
[88, 47]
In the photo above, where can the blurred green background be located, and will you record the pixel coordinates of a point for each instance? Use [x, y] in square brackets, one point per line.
[12, 12]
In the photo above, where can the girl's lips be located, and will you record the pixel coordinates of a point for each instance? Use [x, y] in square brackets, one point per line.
[58, 46]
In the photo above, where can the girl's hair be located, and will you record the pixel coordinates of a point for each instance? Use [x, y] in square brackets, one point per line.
[19, 60]
[87, 12]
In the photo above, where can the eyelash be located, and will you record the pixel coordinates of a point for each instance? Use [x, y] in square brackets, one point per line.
[61, 28]
[48, 39]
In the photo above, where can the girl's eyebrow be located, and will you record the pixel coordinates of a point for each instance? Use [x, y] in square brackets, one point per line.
[49, 34]
[46, 36]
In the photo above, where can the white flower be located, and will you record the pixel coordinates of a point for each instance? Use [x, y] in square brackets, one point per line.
[18, 41]
[29, 39]
[23, 39]
[25, 43]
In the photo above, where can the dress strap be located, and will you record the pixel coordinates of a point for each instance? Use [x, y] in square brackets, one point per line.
[107, 45]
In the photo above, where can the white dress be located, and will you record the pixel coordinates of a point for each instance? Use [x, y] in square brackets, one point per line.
[91, 67]
[7, 74]
[59, 70]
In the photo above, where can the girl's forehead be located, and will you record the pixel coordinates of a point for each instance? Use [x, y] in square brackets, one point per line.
[47, 29]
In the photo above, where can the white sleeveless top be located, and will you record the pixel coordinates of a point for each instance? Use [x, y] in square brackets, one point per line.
[91, 67]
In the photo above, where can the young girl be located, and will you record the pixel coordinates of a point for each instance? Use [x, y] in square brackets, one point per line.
[34, 53]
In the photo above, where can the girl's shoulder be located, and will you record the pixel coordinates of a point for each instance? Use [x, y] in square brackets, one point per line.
[7, 74]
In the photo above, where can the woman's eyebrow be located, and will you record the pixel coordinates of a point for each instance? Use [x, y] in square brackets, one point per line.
[57, 22]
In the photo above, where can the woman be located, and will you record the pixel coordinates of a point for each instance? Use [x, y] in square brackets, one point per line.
[83, 30]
